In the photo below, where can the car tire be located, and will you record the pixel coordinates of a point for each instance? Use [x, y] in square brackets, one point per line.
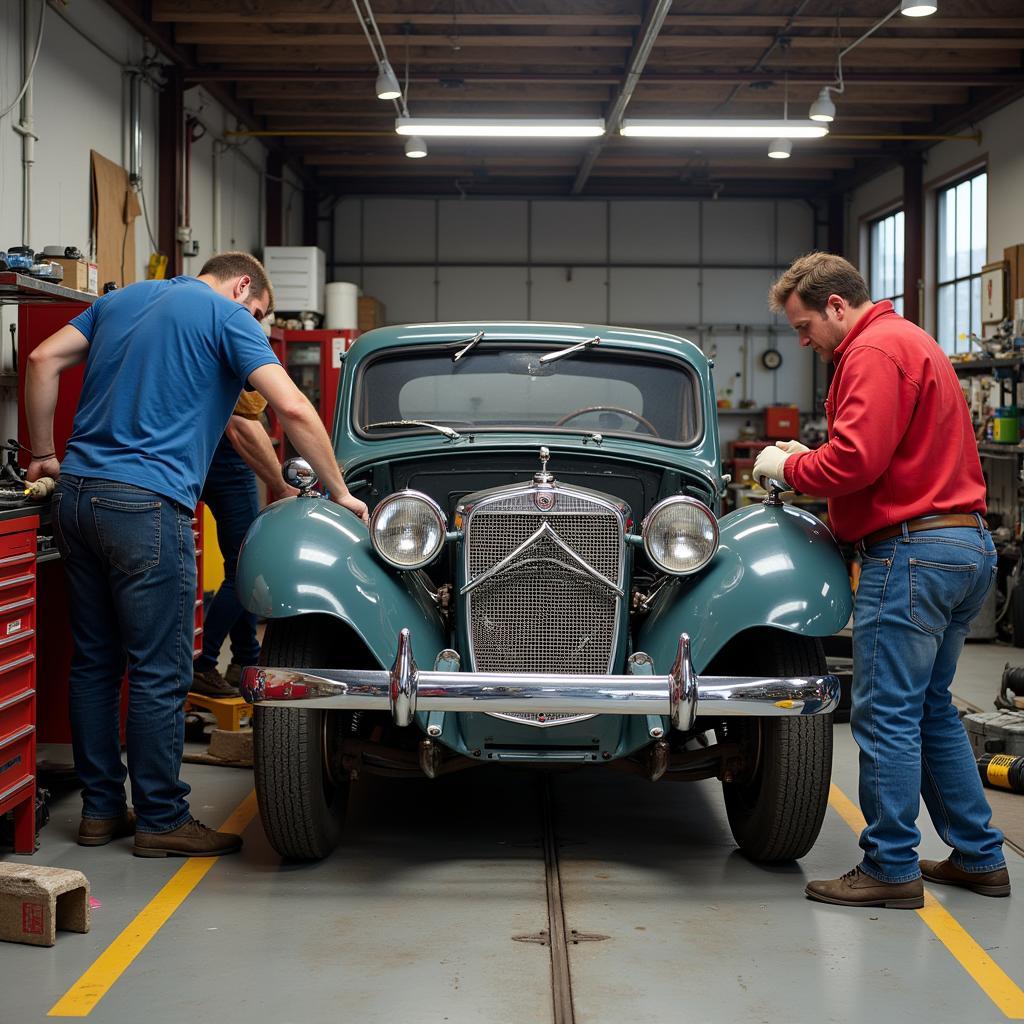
[776, 810]
[302, 802]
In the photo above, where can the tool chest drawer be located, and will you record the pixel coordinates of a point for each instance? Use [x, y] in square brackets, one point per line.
[14, 544]
[17, 712]
[18, 674]
[16, 619]
[17, 758]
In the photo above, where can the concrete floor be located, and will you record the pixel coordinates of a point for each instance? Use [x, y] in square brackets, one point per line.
[412, 918]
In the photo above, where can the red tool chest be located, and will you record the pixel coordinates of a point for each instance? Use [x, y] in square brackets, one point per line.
[18, 676]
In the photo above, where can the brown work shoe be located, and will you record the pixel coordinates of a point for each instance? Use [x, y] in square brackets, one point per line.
[987, 883]
[212, 684]
[857, 889]
[193, 839]
[99, 831]
[233, 676]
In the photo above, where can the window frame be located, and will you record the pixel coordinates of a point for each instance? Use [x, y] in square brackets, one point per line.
[876, 288]
[959, 284]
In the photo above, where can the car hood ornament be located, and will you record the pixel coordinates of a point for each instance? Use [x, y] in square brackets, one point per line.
[544, 496]
[543, 476]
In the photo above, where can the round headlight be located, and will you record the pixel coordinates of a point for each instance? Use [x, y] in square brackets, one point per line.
[680, 535]
[407, 529]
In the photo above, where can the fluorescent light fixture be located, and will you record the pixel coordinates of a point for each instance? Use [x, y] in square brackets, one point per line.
[823, 109]
[415, 148]
[387, 83]
[917, 8]
[780, 149]
[499, 128]
[637, 128]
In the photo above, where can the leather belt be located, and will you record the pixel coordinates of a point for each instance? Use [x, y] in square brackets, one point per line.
[943, 521]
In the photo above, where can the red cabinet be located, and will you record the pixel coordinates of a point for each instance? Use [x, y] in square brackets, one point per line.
[313, 361]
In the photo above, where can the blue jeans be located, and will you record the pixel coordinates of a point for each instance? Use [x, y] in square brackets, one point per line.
[917, 596]
[129, 555]
[230, 492]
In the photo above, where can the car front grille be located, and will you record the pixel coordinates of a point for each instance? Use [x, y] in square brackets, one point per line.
[545, 609]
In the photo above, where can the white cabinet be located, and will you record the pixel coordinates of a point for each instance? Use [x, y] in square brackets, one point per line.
[297, 273]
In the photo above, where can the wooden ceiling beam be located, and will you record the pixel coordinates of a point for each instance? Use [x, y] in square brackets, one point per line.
[495, 93]
[453, 64]
[252, 35]
[312, 12]
[796, 76]
[257, 36]
[358, 93]
[401, 171]
[438, 163]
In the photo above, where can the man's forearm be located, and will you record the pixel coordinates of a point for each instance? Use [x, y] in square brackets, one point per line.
[42, 383]
[253, 444]
[307, 434]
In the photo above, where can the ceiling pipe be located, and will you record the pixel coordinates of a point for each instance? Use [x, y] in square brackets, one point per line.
[638, 60]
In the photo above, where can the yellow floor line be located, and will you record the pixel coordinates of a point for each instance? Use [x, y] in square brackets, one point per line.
[990, 977]
[93, 985]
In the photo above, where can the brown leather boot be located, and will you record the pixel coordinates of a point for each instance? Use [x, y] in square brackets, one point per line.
[857, 889]
[99, 831]
[212, 684]
[193, 839]
[987, 883]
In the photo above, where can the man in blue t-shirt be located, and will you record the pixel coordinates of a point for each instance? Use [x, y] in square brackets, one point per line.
[165, 363]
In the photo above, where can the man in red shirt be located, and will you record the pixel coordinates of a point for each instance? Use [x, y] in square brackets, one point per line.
[903, 479]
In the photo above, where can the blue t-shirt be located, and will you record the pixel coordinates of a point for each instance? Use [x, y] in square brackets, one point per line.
[167, 361]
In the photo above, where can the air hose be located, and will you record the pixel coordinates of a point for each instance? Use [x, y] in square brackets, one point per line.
[1001, 771]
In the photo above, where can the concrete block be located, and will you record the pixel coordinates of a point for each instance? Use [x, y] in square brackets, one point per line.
[35, 901]
[231, 746]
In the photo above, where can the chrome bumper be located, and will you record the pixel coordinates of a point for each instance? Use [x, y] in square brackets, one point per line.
[681, 695]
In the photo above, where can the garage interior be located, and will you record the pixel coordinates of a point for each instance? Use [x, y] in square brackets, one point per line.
[151, 134]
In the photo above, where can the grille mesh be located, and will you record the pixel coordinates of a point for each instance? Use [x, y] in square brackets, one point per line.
[542, 612]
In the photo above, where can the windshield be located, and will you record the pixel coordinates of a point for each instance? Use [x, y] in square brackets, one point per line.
[605, 391]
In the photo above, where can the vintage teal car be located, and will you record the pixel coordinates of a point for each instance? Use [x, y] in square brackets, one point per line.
[544, 580]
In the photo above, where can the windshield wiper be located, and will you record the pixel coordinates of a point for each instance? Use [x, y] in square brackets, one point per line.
[456, 356]
[562, 353]
[452, 435]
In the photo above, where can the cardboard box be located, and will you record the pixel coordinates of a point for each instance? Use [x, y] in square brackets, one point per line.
[371, 313]
[782, 422]
[78, 274]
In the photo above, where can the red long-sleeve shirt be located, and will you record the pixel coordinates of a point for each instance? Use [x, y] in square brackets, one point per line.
[901, 443]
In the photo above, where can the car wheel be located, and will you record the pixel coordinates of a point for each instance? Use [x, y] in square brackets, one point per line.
[777, 804]
[301, 791]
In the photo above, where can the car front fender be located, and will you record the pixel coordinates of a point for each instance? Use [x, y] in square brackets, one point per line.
[309, 555]
[776, 566]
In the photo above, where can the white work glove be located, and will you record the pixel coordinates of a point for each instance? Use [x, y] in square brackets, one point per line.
[39, 489]
[792, 447]
[769, 464]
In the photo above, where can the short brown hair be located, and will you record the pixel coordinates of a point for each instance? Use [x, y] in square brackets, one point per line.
[816, 276]
[227, 265]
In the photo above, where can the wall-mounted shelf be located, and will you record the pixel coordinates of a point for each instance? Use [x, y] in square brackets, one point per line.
[22, 288]
[988, 364]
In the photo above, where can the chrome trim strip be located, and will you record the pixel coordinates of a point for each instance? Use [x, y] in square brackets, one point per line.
[682, 695]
